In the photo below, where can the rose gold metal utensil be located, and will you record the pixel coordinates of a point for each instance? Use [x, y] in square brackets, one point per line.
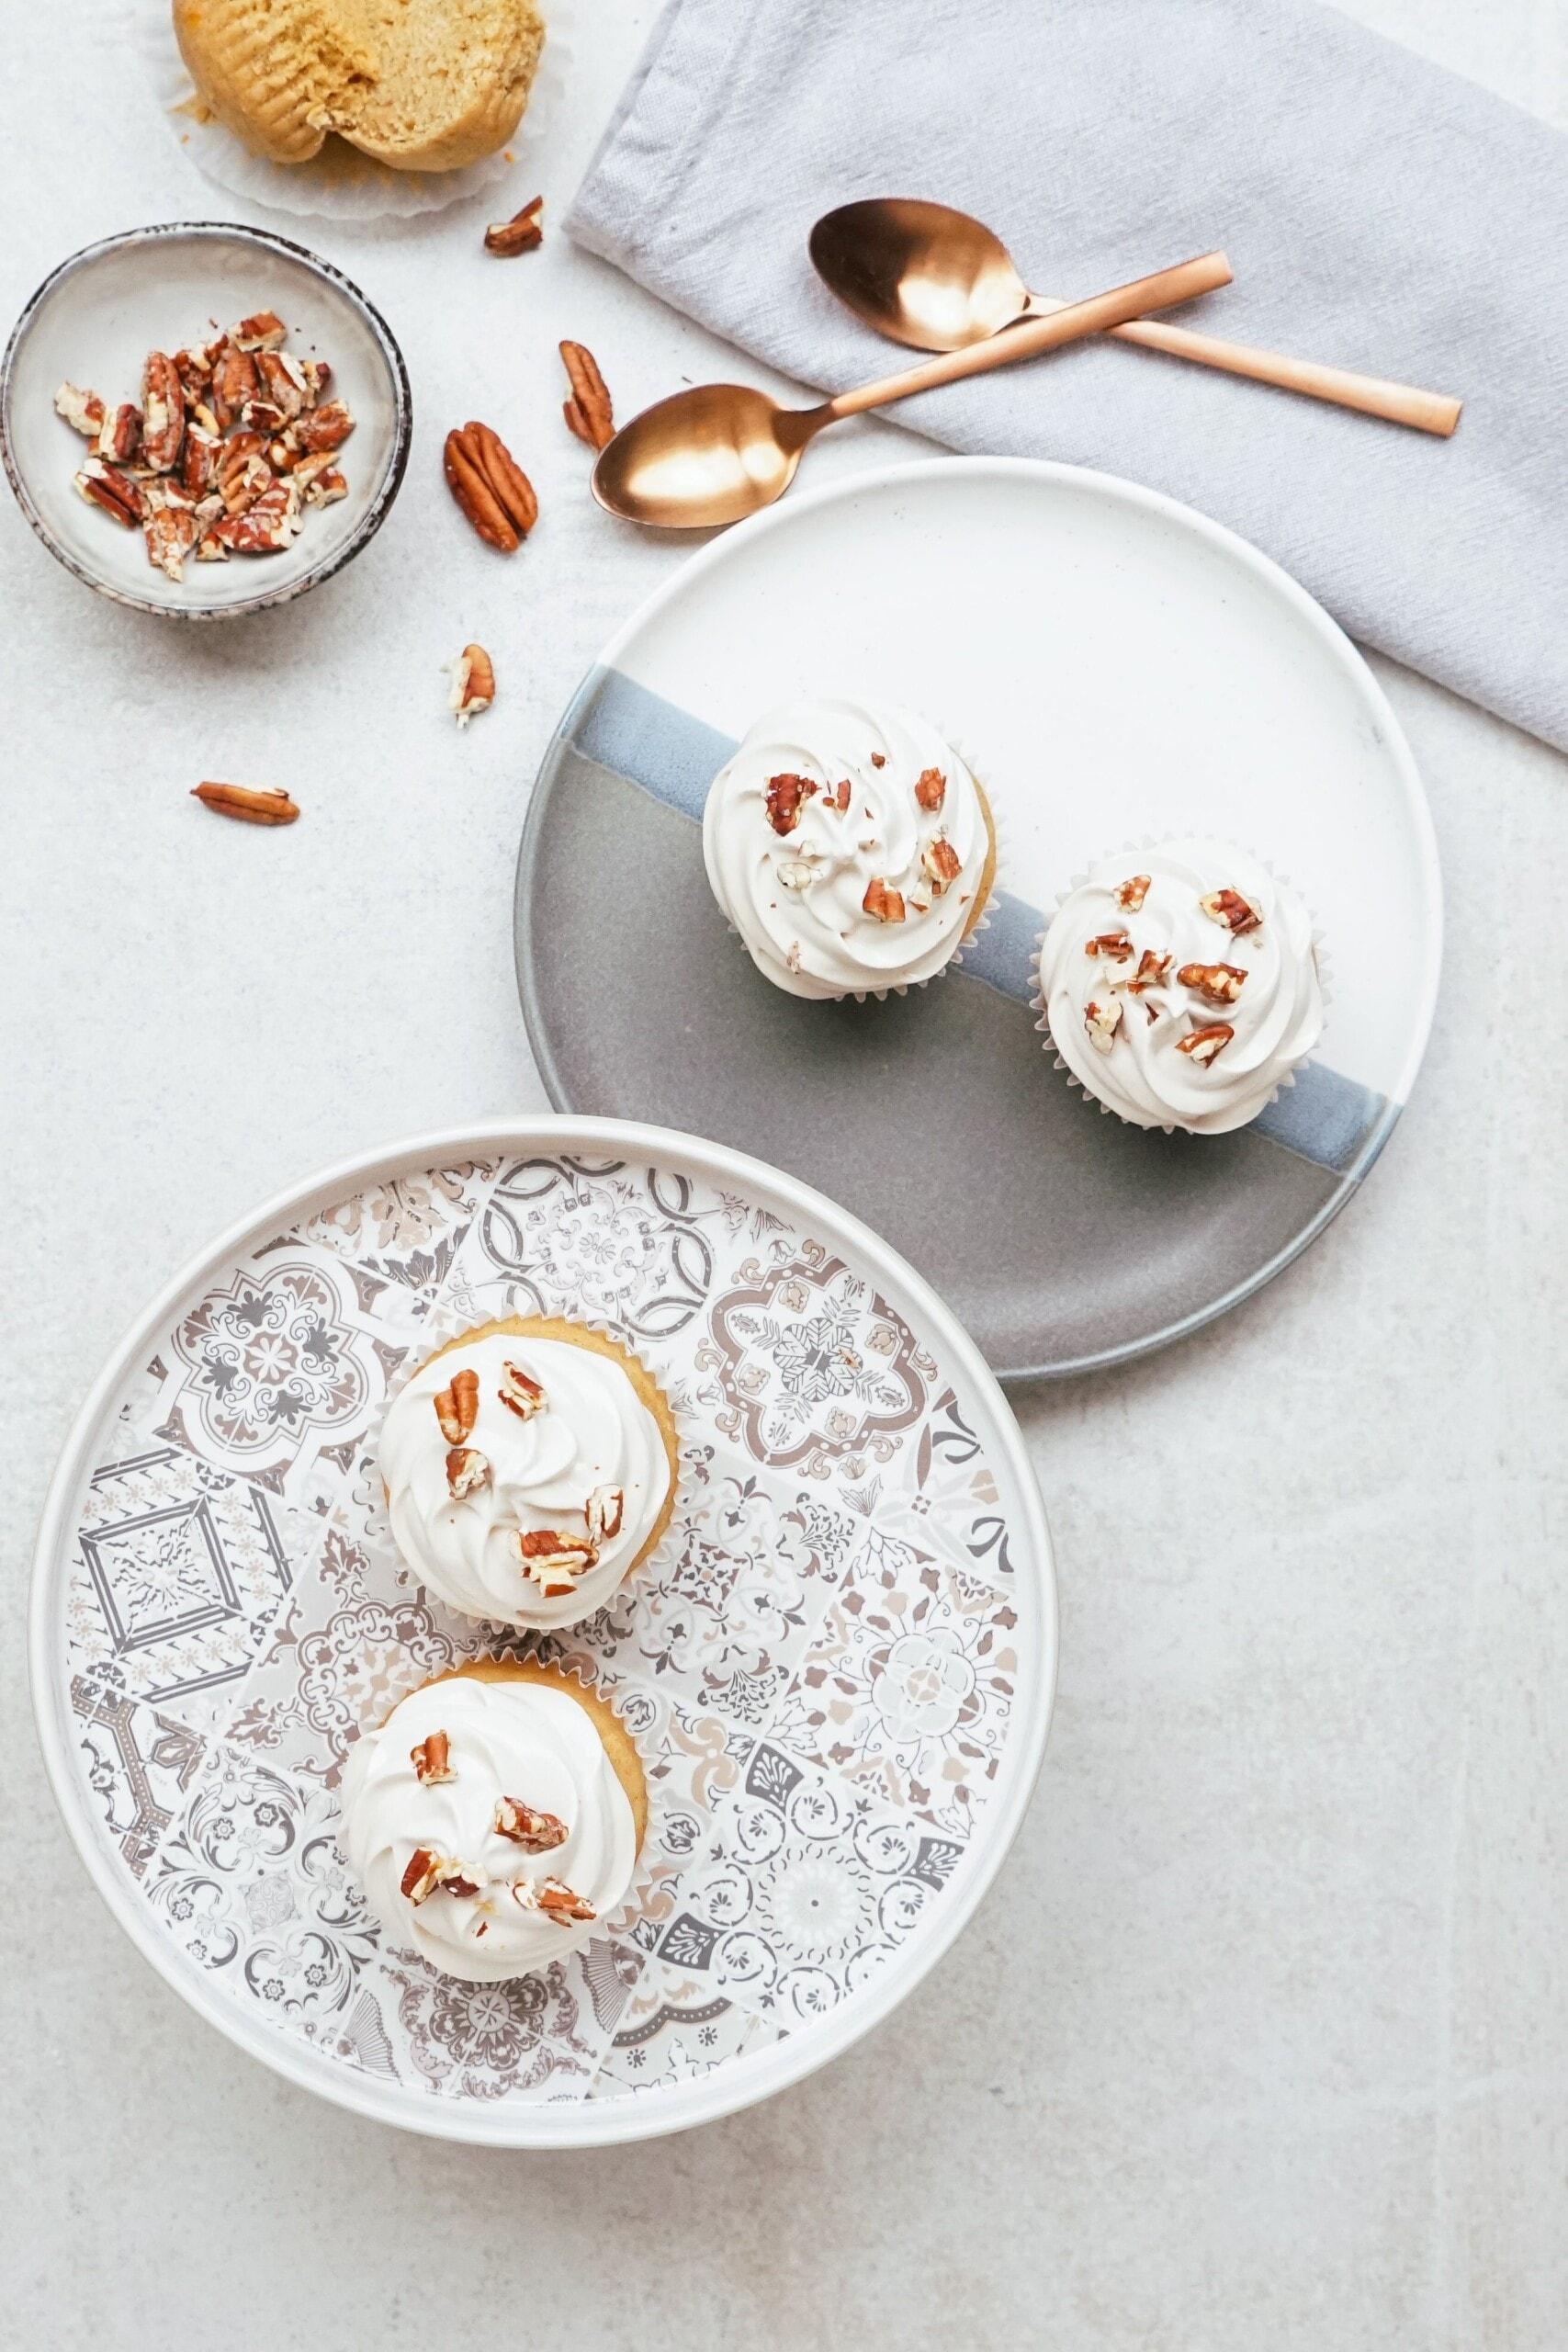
[720, 451]
[928, 276]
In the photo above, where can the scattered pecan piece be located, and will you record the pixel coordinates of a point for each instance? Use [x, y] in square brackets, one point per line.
[537, 1833]
[198, 462]
[1153, 972]
[458, 1407]
[1131, 894]
[317, 375]
[467, 1471]
[82, 412]
[522, 1394]
[320, 483]
[797, 873]
[163, 412]
[1114, 946]
[490, 486]
[283, 382]
[930, 790]
[1215, 983]
[105, 486]
[879, 759]
[940, 863]
[605, 1508]
[193, 366]
[1238, 914]
[263, 416]
[518, 235]
[1204, 1044]
[1102, 1022]
[432, 1759]
[784, 795]
[882, 902]
[587, 411]
[473, 684]
[839, 797]
[241, 472]
[258, 808]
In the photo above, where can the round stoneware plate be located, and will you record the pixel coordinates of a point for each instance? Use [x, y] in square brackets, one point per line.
[1115, 668]
[838, 1668]
[92, 324]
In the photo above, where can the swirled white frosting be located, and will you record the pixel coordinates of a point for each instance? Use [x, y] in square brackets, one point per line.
[511, 1739]
[1121, 1038]
[798, 897]
[593, 1432]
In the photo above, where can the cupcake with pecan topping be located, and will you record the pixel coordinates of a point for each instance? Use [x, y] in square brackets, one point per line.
[1180, 985]
[850, 847]
[530, 1466]
[495, 1817]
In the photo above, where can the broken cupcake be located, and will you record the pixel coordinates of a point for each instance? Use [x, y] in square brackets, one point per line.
[850, 848]
[231, 440]
[530, 1466]
[1180, 986]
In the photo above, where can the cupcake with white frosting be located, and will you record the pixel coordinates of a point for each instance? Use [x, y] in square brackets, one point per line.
[849, 846]
[495, 1818]
[529, 1468]
[1180, 985]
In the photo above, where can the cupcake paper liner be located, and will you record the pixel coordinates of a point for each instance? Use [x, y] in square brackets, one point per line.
[1037, 998]
[340, 184]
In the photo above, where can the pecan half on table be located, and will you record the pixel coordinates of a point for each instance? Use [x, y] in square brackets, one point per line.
[490, 487]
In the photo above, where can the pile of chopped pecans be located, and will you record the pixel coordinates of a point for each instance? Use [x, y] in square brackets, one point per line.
[232, 437]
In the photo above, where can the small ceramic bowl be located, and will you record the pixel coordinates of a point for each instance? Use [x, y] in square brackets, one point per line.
[93, 323]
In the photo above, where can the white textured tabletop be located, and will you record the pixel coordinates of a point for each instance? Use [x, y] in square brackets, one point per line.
[1261, 2037]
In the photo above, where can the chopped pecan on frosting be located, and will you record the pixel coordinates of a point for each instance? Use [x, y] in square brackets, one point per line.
[784, 795]
[458, 1407]
[1102, 1022]
[1113, 945]
[931, 791]
[432, 1759]
[1153, 972]
[1215, 983]
[427, 1870]
[554, 1899]
[1203, 1045]
[467, 1471]
[523, 1396]
[1131, 894]
[536, 1832]
[603, 1512]
[882, 901]
[544, 1550]
[1236, 913]
[940, 863]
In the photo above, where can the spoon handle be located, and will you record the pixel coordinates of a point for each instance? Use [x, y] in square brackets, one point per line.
[1374, 395]
[1097, 315]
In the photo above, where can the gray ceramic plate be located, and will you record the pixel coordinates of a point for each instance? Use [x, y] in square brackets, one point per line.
[1115, 668]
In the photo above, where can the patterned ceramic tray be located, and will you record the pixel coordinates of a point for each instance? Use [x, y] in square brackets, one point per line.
[841, 1682]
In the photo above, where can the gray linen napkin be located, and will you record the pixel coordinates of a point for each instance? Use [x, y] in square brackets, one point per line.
[1379, 213]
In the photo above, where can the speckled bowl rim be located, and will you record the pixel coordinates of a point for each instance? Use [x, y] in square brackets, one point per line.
[748, 2079]
[374, 513]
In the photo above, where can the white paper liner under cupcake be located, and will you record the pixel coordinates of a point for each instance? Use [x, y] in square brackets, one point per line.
[982, 921]
[340, 184]
[1175, 1126]
[445, 1323]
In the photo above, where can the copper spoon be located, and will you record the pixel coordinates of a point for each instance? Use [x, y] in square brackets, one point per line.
[720, 451]
[928, 276]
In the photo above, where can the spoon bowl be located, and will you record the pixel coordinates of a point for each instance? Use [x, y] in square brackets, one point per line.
[705, 457]
[919, 273]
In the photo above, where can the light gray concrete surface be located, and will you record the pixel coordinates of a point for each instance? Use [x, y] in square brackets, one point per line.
[1260, 2039]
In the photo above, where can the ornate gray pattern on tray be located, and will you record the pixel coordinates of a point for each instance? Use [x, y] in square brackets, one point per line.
[824, 1666]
